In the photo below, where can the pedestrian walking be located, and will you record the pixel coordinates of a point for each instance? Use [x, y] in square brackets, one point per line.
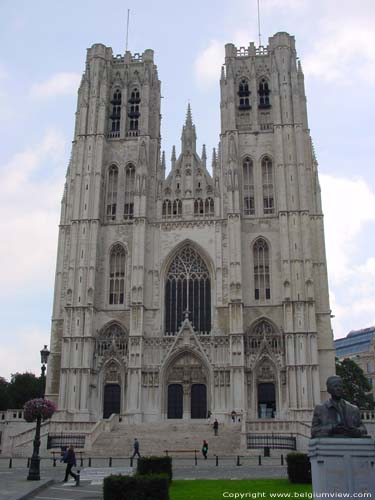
[70, 460]
[205, 449]
[136, 448]
[216, 427]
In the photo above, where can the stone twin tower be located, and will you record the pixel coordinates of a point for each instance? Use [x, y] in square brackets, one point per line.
[194, 292]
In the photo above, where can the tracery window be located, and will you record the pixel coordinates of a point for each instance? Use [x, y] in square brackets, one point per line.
[267, 182]
[188, 289]
[262, 290]
[129, 192]
[117, 275]
[113, 338]
[264, 94]
[244, 94]
[133, 112]
[167, 209]
[111, 201]
[204, 207]
[248, 187]
[115, 116]
[263, 331]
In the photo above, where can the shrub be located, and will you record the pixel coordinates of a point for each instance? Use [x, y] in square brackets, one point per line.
[155, 465]
[136, 488]
[299, 467]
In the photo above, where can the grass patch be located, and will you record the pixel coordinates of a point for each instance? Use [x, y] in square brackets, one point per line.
[213, 489]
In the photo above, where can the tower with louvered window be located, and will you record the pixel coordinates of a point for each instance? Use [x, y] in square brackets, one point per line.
[192, 289]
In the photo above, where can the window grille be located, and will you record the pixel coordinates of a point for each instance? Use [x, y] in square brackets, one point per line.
[248, 187]
[262, 289]
[267, 181]
[112, 193]
[113, 338]
[117, 275]
[129, 192]
[188, 289]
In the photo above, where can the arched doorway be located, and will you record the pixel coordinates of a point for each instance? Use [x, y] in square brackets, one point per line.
[175, 401]
[198, 401]
[186, 387]
[112, 400]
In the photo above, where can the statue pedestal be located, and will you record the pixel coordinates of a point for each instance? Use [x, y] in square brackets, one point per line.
[342, 465]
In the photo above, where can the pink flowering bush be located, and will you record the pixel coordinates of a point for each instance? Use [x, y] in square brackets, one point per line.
[39, 407]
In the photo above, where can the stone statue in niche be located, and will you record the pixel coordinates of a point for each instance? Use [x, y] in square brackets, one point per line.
[336, 417]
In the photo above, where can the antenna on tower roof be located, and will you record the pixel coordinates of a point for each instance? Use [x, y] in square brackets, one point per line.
[127, 31]
[259, 35]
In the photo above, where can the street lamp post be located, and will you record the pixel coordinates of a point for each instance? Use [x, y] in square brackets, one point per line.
[34, 470]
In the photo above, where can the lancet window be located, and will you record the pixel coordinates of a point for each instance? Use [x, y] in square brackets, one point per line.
[267, 183]
[111, 201]
[117, 275]
[187, 292]
[204, 207]
[115, 116]
[248, 187]
[244, 94]
[264, 94]
[129, 192]
[133, 112]
[262, 290]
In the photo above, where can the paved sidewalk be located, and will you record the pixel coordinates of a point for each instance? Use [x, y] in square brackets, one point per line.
[14, 485]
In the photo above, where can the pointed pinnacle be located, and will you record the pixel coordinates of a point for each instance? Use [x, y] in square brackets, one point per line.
[189, 119]
[173, 157]
[204, 155]
[163, 159]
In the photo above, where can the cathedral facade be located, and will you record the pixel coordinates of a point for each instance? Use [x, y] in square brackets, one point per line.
[204, 290]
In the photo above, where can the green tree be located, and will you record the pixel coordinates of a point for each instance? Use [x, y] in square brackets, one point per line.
[4, 397]
[22, 387]
[357, 389]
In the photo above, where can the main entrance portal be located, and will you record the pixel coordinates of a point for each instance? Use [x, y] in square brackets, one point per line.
[187, 388]
[112, 400]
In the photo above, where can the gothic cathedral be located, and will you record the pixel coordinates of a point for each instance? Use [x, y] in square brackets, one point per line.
[203, 290]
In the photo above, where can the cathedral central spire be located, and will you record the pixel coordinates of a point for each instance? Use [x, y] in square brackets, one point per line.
[188, 137]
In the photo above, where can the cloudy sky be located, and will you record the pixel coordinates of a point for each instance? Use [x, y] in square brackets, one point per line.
[43, 52]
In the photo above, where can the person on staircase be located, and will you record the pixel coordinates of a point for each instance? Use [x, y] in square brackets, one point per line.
[216, 427]
[136, 448]
[205, 449]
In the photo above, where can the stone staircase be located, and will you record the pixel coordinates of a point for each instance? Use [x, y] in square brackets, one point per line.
[172, 435]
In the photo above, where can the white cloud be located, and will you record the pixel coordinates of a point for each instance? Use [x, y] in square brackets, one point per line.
[349, 208]
[343, 51]
[208, 63]
[31, 186]
[56, 85]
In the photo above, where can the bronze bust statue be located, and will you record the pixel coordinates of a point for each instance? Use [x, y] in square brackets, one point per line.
[337, 417]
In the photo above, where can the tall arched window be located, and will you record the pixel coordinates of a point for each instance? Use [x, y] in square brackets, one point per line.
[209, 207]
[248, 187]
[187, 288]
[262, 290]
[267, 182]
[167, 209]
[133, 112]
[177, 208]
[117, 275]
[198, 207]
[129, 192]
[264, 94]
[244, 94]
[116, 114]
[111, 201]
